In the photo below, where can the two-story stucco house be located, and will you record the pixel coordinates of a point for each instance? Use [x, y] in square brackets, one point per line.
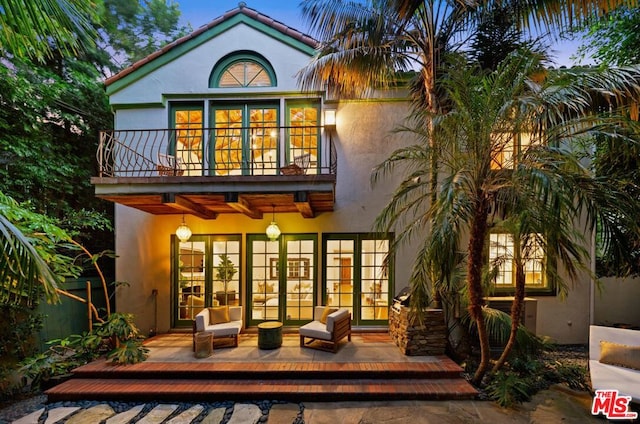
[213, 132]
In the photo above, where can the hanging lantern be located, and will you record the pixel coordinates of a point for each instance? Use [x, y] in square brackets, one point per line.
[183, 232]
[273, 231]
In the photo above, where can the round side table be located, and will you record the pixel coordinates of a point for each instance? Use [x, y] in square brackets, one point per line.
[269, 335]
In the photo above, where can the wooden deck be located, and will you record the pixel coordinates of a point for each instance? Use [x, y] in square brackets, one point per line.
[290, 373]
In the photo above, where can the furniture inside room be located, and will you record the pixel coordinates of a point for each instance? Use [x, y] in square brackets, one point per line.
[221, 321]
[191, 306]
[328, 327]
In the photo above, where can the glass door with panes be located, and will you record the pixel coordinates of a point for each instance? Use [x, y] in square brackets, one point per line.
[187, 147]
[357, 277]
[245, 139]
[281, 278]
[303, 120]
[207, 273]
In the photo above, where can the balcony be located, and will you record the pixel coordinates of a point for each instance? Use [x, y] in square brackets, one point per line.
[206, 172]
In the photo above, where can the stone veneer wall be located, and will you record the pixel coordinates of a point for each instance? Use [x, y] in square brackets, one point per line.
[418, 340]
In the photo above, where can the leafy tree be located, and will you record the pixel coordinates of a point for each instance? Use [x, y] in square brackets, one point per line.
[614, 39]
[132, 30]
[364, 45]
[546, 188]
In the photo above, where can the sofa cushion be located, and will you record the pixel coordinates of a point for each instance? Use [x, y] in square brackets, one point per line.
[620, 354]
[327, 311]
[315, 330]
[608, 377]
[225, 329]
[219, 315]
[332, 318]
[235, 313]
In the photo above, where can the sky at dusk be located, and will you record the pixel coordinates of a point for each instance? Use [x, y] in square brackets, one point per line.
[200, 12]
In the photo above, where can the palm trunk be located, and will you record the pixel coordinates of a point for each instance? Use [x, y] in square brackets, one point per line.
[516, 313]
[474, 283]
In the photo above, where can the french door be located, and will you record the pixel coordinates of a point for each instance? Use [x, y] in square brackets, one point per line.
[245, 139]
[281, 278]
[356, 276]
[207, 272]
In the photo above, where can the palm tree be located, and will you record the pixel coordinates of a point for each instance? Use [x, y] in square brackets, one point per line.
[364, 45]
[541, 193]
[31, 28]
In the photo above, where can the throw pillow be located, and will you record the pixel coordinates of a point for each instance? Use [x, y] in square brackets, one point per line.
[326, 313]
[619, 354]
[219, 315]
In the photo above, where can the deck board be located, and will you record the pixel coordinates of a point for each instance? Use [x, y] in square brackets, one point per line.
[305, 377]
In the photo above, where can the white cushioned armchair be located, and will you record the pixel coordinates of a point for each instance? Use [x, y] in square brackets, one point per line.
[230, 329]
[338, 326]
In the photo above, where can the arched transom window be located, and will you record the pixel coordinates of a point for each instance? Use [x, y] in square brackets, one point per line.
[242, 70]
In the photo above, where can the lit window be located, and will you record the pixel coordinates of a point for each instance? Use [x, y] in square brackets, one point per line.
[245, 73]
[507, 146]
[501, 255]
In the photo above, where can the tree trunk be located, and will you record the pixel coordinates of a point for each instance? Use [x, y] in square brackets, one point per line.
[516, 312]
[474, 282]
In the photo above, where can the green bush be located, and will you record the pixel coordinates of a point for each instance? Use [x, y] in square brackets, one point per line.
[508, 389]
[118, 339]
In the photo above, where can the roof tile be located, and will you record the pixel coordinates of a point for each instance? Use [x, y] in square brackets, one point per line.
[254, 14]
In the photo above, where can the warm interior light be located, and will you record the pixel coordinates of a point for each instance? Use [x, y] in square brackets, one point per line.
[273, 231]
[330, 118]
[183, 232]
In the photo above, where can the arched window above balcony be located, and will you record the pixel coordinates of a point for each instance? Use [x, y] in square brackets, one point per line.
[242, 69]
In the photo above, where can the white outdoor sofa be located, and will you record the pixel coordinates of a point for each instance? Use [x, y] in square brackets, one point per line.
[614, 377]
[225, 329]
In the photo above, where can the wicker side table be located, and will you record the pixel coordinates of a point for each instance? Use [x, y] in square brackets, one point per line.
[270, 335]
[203, 345]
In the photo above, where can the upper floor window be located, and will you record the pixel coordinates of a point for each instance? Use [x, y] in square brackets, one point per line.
[508, 147]
[502, 254]
[244, 69]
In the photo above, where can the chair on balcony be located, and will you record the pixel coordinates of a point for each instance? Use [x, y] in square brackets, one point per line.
[299, 166]
[169, 165]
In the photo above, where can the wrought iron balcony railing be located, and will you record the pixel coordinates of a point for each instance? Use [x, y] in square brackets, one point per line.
[232, 151]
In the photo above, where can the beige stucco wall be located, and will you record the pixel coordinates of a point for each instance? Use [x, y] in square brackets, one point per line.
[617, 302]
[189, 73]
[362, 140]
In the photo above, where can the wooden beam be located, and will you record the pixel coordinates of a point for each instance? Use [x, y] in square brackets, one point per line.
[301, 200]
[186, 205]
[240, 204]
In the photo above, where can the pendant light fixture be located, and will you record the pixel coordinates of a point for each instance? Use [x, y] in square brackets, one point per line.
[273, 232]
[183, 231]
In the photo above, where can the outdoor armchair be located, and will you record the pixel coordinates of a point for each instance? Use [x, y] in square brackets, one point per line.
[328, 327]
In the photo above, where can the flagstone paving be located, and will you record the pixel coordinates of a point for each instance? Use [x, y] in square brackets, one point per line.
[555, 405]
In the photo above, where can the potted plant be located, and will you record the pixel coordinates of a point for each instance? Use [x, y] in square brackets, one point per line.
[225, 270]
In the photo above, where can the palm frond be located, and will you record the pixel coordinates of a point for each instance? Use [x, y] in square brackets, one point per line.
[22, 268]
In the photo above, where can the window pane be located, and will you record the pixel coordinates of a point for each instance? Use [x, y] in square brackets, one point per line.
[228, 141]
[501, 256]
[188, 126]
[303, 137]
[246, 73]
[264, 140]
